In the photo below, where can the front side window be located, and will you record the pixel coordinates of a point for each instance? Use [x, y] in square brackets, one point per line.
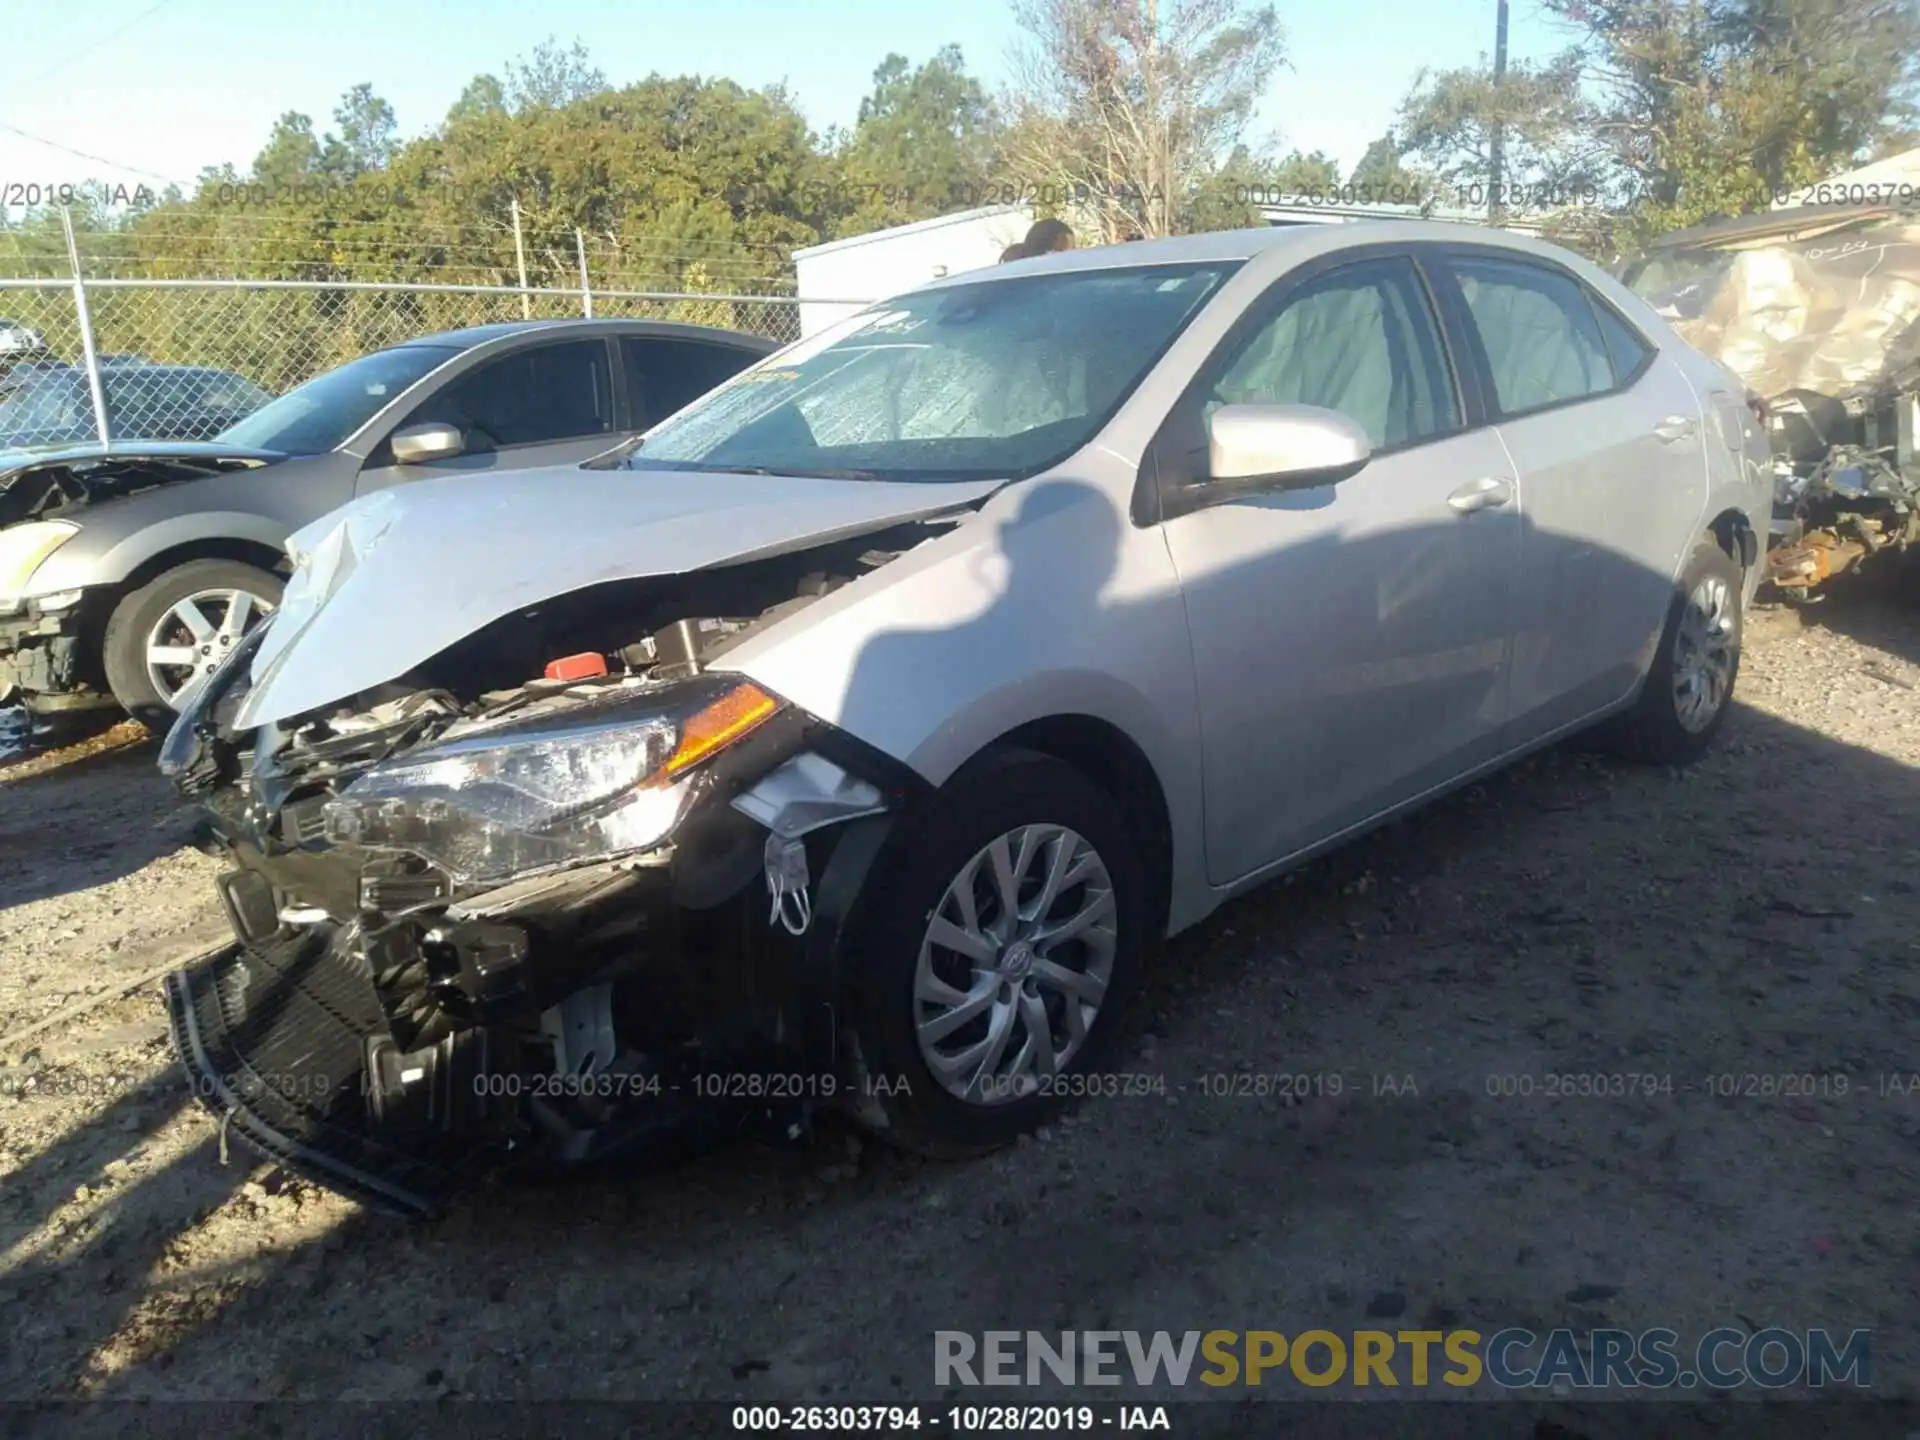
[1362, 341]
[1543, 344]
[991, 379]
[528, 397]
[313, 418]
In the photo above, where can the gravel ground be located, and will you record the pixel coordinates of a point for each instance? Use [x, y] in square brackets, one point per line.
[1752, 916]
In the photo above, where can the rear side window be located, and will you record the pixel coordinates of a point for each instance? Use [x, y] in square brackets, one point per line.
[545, 392]
[1543, 343]
[667, 375]
[1624, 345]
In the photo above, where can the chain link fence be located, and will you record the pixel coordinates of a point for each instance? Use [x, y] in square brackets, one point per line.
[85, 358]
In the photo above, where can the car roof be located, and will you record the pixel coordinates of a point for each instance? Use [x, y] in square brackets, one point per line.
[474, 335]
[147, 368]
[1296, 242]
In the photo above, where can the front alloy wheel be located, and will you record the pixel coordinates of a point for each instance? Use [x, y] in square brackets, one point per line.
[1014, 965]
[165, 638]
[992, 943]
[187, 643]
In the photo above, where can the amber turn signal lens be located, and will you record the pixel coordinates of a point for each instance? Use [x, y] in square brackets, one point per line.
[717, 726]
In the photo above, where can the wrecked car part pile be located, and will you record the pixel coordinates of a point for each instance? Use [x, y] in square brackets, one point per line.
[1818, 310]
[482, 922]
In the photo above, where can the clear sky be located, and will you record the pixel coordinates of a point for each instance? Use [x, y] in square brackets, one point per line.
[157, 89]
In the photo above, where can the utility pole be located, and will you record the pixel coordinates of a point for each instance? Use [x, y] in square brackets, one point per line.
[1497, 141]
[520, 258]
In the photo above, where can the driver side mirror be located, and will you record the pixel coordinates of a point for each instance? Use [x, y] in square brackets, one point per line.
[1256, 448]
[417, 444]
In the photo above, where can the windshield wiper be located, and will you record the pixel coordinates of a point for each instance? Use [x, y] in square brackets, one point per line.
[797, 472]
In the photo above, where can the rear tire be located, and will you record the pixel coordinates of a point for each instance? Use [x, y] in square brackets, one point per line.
[1689, 687]
[173, 630]
[931, 990]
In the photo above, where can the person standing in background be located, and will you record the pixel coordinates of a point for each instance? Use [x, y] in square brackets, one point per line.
[1015, 251]
[1047, 236]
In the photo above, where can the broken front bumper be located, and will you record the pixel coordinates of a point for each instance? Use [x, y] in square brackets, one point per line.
[43, 656]
[273, 1038]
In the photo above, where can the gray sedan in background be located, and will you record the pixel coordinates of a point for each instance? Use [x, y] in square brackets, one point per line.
[128, 571]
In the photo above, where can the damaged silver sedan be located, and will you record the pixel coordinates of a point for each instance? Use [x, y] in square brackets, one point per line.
[854, 737]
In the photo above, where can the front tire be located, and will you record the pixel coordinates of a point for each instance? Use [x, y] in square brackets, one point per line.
[173, 631]
[995, 942]
[1689, 688]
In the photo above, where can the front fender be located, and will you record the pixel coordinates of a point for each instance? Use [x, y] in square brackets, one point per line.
[1048, 603]
[78, 565]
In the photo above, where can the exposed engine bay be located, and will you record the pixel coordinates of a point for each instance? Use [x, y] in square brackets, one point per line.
[1818, 310]
[46, 488]
[564, 890]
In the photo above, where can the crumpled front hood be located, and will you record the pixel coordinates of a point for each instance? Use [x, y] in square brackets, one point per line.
[395, 577]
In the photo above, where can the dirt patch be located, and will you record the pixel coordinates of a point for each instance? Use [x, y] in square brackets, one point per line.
[1754, 916]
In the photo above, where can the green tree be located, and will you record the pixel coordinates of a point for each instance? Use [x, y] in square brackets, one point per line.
[1549, 143]
[1299, 174]
[923, 143]
[1230, 198]
[484, 96]
[369, 135]
[549, 77]
[291, 155]
[1381, 179]
[1709, 107]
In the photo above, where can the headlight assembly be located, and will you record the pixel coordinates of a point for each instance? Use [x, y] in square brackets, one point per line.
[24, 548]
[515, 801]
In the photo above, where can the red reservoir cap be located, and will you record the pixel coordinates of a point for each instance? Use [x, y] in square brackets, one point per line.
[577, 667]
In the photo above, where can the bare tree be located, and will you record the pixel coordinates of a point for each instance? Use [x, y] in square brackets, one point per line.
[1121, 107]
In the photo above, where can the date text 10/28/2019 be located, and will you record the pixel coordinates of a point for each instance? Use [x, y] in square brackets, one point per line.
[958, 1419]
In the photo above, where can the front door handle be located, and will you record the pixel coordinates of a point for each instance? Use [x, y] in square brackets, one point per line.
[1675, 427]
[1488, 493]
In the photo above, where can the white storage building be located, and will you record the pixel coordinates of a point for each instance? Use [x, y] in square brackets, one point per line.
[865, 268]
[837, 278]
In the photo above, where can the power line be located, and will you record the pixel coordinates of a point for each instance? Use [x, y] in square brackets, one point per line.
[87, 155]
[54, 69]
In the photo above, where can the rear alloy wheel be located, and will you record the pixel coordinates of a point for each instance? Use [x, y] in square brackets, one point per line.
[1690, 685]
[990, 950]
[1706, 653]
[167, 637]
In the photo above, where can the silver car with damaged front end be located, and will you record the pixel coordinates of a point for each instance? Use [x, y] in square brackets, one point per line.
[856, 737]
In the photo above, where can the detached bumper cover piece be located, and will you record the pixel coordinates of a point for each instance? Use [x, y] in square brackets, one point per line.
[273, 1039]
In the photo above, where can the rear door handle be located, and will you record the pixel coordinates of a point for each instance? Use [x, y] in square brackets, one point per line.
[1675, 427]
[1487, 493]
